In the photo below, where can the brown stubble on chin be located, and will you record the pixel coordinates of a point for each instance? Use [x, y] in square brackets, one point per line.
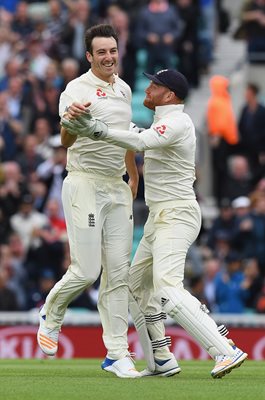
[149, 105]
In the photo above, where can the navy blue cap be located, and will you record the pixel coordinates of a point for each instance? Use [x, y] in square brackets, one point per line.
[172, 79]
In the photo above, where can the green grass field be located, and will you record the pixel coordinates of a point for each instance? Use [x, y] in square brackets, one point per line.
[80, 379]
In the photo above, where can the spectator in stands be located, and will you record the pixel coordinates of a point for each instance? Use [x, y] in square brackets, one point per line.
[14, 261]
[11, 129]
[223, 245]
[253, 17]
[258, 215]
[51, 96]
[7, 41]
[80, 18]
[52, 76]
[38, 59]
[127, 44]
[223, 223]
[69, 70]
[5, 228]
[14, 94]
[58, 15]
[42, 131]
[252, 129]
[211, 268]
[22, 23]
[207, 33]
[38, 190]
[12, 188]
[249, 232]
[187, 46]
[37, 294]
[253, 282]
[8, 300]
[27, 221]
[29, 159]
[196, 287]
[231, 295]
[57, 222]
[222, 130]
[12, 69]
[158, 28]
[239, 180]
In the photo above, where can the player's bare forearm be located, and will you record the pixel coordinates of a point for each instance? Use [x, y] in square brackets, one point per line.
[67, 140]
[132, 171]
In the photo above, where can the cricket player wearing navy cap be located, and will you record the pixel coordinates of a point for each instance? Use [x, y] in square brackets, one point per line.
[173, 224]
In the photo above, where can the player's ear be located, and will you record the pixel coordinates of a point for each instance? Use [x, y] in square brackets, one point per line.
[170, 96]
[89, 56]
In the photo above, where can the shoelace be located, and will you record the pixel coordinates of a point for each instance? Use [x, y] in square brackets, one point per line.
[220, 358]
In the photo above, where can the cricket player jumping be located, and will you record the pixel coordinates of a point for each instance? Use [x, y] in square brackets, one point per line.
[174, 221]
[97, 206]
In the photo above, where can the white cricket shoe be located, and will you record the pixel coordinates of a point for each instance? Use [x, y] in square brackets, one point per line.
[123, 368]
[47, 338]
[168, 367]
[225, 364]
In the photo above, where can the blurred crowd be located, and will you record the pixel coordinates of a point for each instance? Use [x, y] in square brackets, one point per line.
[41, 50]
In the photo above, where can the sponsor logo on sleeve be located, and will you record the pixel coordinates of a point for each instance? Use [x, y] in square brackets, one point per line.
[160, 129]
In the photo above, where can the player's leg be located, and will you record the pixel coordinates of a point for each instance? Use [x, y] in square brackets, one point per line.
[78, 196]
[176, 230]
[113, 292]
[148, 316]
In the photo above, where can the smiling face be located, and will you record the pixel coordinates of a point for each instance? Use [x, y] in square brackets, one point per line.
[158, 95]
[104, 58]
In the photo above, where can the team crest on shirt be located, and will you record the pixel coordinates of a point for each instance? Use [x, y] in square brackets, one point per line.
[101, 94]
[160, 129]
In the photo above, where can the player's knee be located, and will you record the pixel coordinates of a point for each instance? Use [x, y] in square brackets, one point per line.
[170, 297]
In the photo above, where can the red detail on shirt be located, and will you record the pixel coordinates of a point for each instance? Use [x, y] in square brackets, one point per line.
[100, 93]
[161, 129]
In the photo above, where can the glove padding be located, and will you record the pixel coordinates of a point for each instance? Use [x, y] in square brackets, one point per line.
[86, 126]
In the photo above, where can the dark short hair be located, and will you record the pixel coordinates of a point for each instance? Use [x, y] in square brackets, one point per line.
[253, 87]
[101, 30]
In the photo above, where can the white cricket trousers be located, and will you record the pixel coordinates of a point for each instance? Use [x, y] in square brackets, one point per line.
[98, 213]
[159, 261]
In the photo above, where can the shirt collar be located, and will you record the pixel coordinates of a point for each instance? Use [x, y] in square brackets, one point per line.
[99, 81]
[162, 111]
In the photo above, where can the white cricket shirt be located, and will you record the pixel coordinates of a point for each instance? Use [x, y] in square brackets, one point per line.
[111, 104]
[169, 160]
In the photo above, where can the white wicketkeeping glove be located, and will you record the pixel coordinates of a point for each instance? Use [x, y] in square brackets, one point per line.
[86, 126]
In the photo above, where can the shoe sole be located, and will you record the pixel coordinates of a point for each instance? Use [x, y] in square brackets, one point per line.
[166, 374]
[119, 374]
[228, 369]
